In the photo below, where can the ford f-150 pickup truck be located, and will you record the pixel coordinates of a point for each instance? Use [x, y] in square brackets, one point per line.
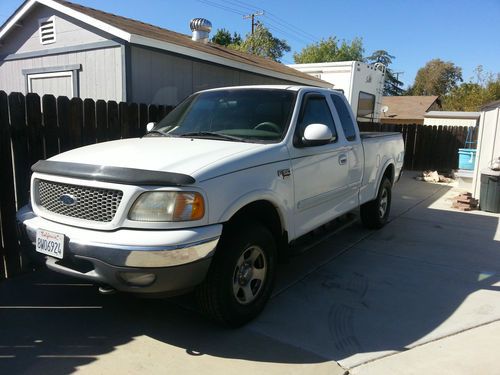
[211, 196]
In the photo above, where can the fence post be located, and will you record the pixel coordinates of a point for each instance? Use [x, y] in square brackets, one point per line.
[9, 245]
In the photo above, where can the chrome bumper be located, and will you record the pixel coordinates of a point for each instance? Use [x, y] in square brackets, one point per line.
[138, 256]
[179, 258]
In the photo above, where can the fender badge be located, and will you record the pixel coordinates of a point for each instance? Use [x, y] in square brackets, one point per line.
[283, 173]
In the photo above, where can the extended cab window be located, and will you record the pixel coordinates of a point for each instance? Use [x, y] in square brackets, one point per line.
[345, 118]
[315, 110]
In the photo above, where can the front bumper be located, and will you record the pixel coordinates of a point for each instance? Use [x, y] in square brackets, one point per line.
[179, 259]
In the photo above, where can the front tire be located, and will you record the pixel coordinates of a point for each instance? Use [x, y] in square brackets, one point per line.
[375, 214]
[241, 277]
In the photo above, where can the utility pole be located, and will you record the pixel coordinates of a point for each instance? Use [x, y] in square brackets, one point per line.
[252, 16]
[397, 74]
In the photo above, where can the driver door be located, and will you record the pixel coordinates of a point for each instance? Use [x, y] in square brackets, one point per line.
[320, 173]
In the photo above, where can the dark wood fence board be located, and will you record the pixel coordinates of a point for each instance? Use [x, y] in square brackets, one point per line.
[19, 134]
[101, 120]
[143, 118]
[75, 122]
[113, 121]
[133, 118]
[34, 125]
[9, 244]
[125, 130]
[51, 130]
[89, 131]
[63, 123]
[153, 113]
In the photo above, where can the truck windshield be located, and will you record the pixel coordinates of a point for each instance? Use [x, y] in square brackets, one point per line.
[246, 115]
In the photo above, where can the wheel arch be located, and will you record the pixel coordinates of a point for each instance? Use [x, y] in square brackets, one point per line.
[268, 214]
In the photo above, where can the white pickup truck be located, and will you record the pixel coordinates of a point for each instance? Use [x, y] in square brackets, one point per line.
[211, 196]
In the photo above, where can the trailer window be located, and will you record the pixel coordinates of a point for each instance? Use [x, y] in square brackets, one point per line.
[345, 118]
[366, 106]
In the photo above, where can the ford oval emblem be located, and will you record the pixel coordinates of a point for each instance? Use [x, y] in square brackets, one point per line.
[68, 199]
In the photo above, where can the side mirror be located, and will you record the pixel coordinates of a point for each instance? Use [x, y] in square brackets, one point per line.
[150, 126]
[316, 135]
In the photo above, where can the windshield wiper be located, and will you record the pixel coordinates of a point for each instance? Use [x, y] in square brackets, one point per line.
[157, 133]
[205, 134]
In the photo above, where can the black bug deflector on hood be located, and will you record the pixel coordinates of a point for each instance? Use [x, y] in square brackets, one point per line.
[119, 175]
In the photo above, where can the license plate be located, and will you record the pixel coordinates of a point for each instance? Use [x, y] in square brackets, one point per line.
[50, 243]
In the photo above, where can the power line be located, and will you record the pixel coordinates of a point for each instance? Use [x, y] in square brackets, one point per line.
[276, 22]
[277, 19]
[221, 6]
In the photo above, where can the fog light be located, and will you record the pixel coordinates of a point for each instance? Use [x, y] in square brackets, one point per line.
[138, 278]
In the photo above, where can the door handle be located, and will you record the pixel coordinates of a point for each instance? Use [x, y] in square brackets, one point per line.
[342, 159]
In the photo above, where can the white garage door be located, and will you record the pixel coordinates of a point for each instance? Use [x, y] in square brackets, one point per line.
[57, 84]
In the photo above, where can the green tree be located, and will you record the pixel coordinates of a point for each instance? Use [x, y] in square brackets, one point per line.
[263, 43]
[224, 38]
[472, 95]
[330, 50]
[392, 85]
[437, 77]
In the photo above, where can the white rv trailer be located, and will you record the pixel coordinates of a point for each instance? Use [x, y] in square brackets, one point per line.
[362, 84]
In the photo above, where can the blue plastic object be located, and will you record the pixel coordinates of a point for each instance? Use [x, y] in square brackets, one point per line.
[466, 158]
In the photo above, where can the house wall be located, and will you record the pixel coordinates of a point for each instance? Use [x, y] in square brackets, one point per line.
[100, 58]
[488, 146]
[162, 78]
[437, 121]
[100, 76]
[69, 32]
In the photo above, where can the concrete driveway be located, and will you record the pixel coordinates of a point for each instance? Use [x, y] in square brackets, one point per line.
[419, 296]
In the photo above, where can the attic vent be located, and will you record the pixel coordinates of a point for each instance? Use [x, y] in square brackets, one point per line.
[47, 30]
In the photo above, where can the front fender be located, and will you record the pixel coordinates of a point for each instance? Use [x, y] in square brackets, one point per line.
[281, 205]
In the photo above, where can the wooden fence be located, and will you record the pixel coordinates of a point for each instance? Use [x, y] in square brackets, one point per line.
[427, 147]
[32, 129]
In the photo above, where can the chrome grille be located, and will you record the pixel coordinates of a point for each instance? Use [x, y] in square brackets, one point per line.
[90, 203]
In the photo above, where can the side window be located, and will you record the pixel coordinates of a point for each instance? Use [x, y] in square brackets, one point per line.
[345, 118]
[315, 110]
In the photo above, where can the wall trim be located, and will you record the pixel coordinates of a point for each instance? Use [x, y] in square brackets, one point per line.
[126, 72]
[61, 50]
[52, 69]
[71, 69]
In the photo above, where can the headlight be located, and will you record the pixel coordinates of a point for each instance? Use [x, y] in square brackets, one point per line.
[168, 206]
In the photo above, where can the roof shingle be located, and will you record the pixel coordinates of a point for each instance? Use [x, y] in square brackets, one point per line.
[407, 107]
[151, 31]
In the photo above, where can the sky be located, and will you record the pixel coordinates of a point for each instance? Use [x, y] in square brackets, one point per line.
[465, 32]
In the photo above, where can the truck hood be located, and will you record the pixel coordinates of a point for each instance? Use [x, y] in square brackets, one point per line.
[178, 155]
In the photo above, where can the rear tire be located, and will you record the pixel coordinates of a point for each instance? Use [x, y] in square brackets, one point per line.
[375, 214]
[241, 277]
